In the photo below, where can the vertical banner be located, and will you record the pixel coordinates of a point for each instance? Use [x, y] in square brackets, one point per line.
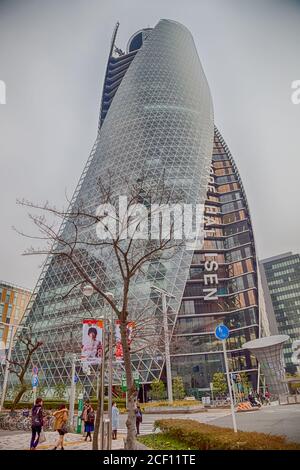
[118, 347]
[92, 334]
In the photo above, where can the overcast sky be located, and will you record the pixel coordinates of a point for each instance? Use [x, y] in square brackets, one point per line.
[53, 57]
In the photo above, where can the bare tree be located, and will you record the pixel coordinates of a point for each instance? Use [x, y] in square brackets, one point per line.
[126, 252]
[19, 368]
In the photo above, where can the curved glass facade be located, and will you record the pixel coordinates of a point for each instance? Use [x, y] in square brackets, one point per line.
[156, 122]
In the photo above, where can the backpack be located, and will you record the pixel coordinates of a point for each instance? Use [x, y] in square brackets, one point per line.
[36, 418]
[91, 417]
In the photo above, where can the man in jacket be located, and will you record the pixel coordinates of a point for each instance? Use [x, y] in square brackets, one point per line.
[36, 423]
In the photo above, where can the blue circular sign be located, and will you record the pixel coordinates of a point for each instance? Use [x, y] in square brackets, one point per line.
[35, 381]
[222, 332]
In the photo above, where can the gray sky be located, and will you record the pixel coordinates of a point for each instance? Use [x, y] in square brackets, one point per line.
[53, 57]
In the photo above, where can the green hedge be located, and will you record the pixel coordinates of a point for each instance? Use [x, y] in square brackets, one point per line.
[54, 404]
[201, 436]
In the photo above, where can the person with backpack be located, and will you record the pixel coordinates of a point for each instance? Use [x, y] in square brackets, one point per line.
[36, 423]
[138, 419]
[61, 419]
[89, 420]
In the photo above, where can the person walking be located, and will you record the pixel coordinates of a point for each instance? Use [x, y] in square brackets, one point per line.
[138, 419]
[84, 417]
[61, 418]
[89, 421]
[268, 397]
[114, 420]
[36, 423]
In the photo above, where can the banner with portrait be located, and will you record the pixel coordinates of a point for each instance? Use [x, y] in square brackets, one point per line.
[92, 341]
[118, 346]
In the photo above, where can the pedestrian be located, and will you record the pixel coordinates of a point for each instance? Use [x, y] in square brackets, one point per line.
[138, 419]
[84, 414]
[114, 420]
[89, 422]
[268, 397]
[36, 423]
[61, 419]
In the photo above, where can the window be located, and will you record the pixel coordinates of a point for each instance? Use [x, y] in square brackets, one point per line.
[232, 206]
[230, 197]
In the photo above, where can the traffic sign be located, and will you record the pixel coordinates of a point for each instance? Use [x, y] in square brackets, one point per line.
[124, 383]
[136, 378]
[34, 381]
[76, 379]
[35, 370]
[221, 332]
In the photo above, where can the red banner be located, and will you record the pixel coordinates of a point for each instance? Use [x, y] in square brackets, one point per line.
[118, 347]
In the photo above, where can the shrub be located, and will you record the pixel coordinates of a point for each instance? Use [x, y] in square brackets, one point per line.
[178, 388]
[219, 382]
[54, 404]
[158, 390]
[207, 437]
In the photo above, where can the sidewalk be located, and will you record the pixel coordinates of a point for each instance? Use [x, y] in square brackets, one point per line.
[72, 442]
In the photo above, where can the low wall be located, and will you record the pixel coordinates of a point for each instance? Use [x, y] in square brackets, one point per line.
[289, 399]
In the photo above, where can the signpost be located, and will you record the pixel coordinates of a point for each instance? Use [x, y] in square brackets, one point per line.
[80, 408]
[124, 384]
[211, 385]
[222, 333]
[136, 378]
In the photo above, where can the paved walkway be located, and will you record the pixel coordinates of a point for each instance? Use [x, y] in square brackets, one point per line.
[21, 441]
[284, 420]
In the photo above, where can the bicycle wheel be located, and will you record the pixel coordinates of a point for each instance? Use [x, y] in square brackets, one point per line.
[27, 424]
[12, 424]
[20, 425]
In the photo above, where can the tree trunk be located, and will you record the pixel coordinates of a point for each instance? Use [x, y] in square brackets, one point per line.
[130, 443]
[18, 397]
[95, 445]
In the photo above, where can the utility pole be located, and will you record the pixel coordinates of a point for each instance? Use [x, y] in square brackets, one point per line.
[110, 372]
[229, 386]
[222, 333]
[164, 295]
[167, 349]
[102, 385]
[72, 392]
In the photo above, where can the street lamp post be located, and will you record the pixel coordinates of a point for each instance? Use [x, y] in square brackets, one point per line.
[110, 374]
[88, 291]
[8, 358]
[164, 296]
[72, 392]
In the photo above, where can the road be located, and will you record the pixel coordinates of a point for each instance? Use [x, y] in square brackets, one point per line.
[283, 420]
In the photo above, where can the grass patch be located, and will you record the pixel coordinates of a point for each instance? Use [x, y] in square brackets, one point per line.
[162, 441]
[191, 434]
